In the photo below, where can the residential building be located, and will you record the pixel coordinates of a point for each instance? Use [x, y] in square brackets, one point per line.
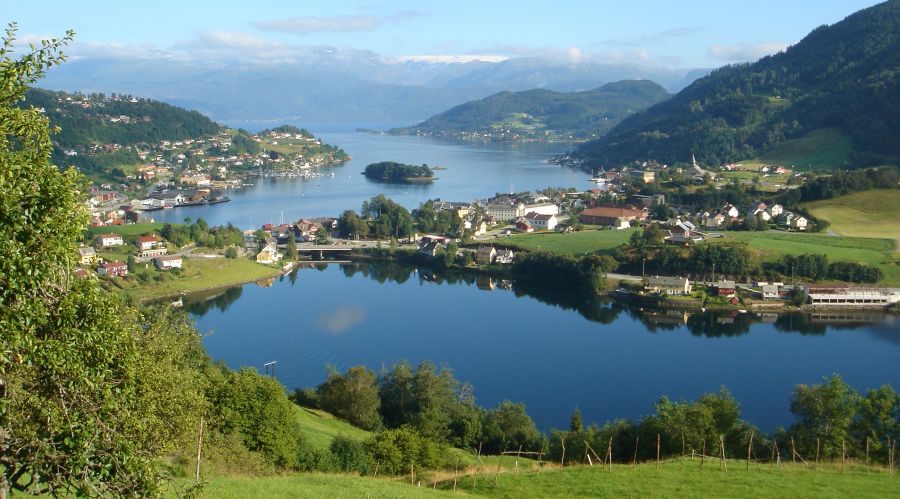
[478, 228]
[541, 222]
[86, 255]
[647, 201]
[167, 262]
[730, 211]
[725, 288]
[668, 285]
[146, 242]
[608, 216]
[523, 226]
[153, 252]
[107, 240]
[112, 269]
[645, 176]
[776, 210]
[504, 257]
[269, 254]
[429, 245]
[505, 212]
[486, 255]
[770, 292]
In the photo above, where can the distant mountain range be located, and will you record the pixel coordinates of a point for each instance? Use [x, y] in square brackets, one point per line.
[543, 114]
[841, 82]
[350, 86]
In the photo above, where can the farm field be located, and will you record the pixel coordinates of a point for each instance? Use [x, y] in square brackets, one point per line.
[822, 149]
[874, 213]
[126, 230]
[572, 243]
[770, 246]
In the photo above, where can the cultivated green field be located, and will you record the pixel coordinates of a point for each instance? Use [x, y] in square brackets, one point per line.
[126, 230]
[771, 246]
[874, 213]
[198, 274]
[822, 149]
[572, 243]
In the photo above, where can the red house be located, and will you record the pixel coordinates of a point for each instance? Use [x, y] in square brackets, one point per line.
[113, 269]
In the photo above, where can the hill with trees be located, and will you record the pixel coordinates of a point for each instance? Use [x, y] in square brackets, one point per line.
[842, 77]
[544, 114]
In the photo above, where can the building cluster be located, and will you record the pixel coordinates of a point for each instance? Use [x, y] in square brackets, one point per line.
[148, 249]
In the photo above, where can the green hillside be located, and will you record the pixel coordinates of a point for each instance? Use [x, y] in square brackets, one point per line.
[543, 113]
[842, 77]
[863, 214]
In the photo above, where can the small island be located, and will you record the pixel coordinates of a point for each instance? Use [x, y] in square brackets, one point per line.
[389, 171]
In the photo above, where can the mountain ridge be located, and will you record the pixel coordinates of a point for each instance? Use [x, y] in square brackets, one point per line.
[844, 76]
[543, 114]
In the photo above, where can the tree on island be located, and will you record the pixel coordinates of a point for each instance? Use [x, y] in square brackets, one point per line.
[397, 172]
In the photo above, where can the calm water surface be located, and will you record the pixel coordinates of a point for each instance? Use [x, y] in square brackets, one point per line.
[474, 171]
[541, 347]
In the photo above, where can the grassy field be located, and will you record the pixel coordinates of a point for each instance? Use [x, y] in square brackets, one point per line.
[770, 246]
[198, 274]
[822, 149]
[320, 427]
[126, 230]
[677, 478]
[863, 214]
[572, 243]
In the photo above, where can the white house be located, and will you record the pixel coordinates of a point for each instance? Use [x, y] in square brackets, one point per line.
[486, 255]
[167, 262]
[504, 256]
[107, 240]
[541, 221]
[776, 210]
[798, 222]
[730, 211]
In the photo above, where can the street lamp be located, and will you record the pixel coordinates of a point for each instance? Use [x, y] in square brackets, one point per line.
[643, 261]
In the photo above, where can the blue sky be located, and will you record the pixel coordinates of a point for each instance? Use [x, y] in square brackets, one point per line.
[659, 33]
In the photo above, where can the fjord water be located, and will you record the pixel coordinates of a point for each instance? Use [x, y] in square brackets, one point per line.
[473, 171]
[547, 348]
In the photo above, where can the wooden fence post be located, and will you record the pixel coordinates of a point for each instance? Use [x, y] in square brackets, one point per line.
[867, 454]
[199, 448]
[817, 452]
[637, 440]
[562, 460]
[657, 452]
[609, 453]
[703, 453]
[722, 446]
[749, 447]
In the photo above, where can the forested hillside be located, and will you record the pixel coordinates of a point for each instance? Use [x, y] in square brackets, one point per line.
[845, 76]
[96, 129]
[544, 113]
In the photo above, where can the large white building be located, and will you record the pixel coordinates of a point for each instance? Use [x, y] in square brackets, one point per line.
[505, 212]
[542, 208]
[848, 295]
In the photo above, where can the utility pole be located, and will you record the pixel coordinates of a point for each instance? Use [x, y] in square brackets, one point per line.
[643, 261]
[714, 272]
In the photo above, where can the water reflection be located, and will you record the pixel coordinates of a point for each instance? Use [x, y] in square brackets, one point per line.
[596, 309]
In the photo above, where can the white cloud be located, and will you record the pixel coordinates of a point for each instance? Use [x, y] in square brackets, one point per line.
[305, 25]
[341, 319]
[745, 52]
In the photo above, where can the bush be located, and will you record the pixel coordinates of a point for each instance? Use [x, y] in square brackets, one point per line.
[349, 455]
[394, 452]
[231, 252]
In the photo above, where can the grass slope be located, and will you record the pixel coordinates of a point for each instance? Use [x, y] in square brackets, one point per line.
[676, 478]
[684, 478]
[573, 243]
[320, 427]
[771, 246]
[198, 274]
[822, 149]
[863, 214]
[126, 230]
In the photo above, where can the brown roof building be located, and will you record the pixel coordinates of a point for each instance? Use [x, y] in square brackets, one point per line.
[608, 215]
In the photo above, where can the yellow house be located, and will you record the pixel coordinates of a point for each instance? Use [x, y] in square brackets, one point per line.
[86, 255]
